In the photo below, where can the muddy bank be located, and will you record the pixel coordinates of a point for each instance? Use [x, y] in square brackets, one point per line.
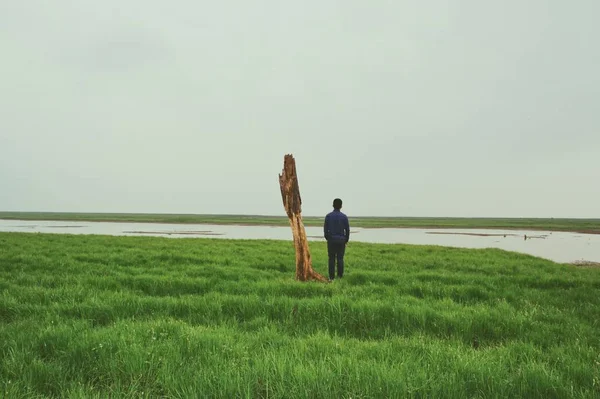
[471, 234]
[586, 264]
[475, 227]
[63, 227]
[191, 233]
[452, 233]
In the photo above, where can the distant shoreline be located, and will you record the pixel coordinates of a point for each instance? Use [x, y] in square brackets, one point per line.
[584, 226]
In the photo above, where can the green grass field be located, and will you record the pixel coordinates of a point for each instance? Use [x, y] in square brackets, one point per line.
[99, 316]
[577, 225]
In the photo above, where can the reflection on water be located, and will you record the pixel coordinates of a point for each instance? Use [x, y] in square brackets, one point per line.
[557, 246]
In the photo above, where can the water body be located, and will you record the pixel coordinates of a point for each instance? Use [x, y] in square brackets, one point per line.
[557, 246]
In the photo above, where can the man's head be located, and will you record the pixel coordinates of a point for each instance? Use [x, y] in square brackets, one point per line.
[337, 203]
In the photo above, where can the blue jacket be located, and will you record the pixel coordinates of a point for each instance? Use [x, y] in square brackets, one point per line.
[336, 228]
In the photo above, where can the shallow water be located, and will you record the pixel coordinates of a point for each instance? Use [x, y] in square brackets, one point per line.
[557, 246]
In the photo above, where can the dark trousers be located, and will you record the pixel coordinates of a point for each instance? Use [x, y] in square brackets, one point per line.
[336, 250]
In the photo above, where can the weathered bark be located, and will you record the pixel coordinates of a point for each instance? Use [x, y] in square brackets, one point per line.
[290, 193]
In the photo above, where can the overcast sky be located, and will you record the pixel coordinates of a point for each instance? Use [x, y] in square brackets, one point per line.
[401, 108]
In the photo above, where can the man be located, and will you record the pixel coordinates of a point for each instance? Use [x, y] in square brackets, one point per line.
[337, 234]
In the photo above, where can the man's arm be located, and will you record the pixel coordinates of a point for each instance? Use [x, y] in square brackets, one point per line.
[326, 228]
[347, 228]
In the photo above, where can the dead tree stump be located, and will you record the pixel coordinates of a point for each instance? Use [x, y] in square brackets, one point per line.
[290, 193]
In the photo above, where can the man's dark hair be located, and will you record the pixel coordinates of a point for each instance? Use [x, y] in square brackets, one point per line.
[337, 203]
